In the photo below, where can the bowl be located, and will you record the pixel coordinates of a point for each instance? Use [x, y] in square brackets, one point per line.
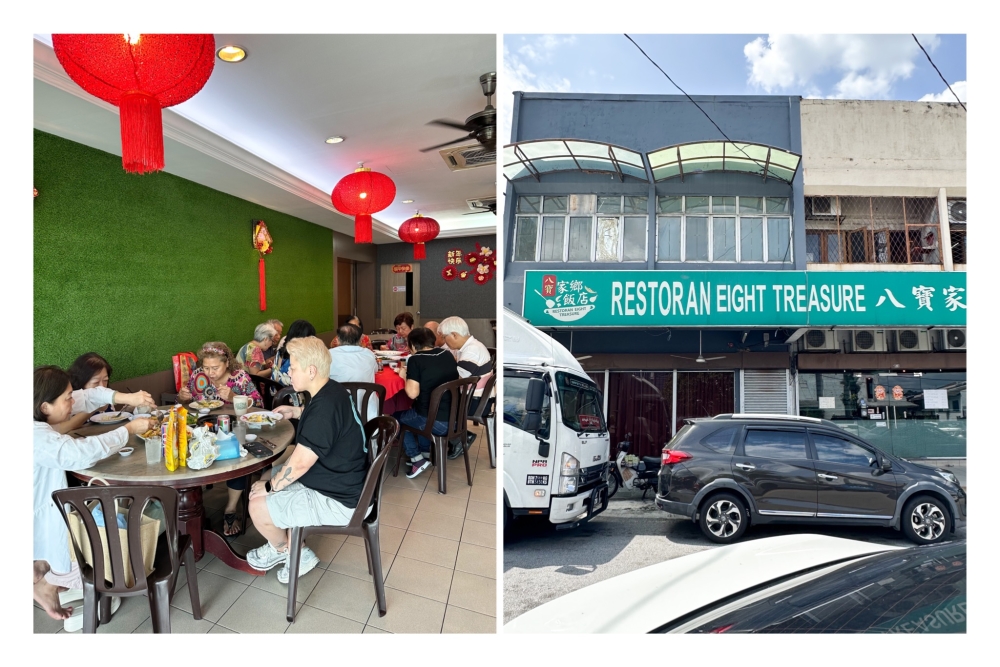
[250, 437]
[125, 451]
[203, 411]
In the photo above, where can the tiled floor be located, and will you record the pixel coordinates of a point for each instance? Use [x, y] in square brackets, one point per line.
[439, 559]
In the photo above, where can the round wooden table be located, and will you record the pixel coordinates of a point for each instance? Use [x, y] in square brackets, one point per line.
[133, 470]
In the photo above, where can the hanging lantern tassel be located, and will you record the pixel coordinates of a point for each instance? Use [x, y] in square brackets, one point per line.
[263, 284]
[362, 228]
[142, 133]
[418, 230]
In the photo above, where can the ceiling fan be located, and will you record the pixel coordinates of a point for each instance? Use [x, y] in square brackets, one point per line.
[481, 126]
[489, 206]
[700, 359]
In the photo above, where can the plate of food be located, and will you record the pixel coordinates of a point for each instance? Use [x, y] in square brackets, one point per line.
[261, 419]
[211, 404]
[105, 418]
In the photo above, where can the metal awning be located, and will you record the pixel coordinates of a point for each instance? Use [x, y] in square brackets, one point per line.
[703, 156]
[546, 156]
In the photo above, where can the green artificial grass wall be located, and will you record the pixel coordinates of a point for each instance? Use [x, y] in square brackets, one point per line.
[138, 268]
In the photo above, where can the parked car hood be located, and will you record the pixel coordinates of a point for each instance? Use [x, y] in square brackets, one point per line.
[643, 600]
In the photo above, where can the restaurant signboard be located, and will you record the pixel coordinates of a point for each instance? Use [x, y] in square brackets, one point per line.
[744, 298]
[402, 268]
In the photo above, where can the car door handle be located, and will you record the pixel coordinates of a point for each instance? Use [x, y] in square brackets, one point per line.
[745, 466]
[827, 477]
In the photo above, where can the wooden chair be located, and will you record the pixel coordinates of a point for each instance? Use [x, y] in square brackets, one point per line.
[461, 394]
[380, 433]
[268, 389]
[99, 585]
[362, 394]
[485, 411]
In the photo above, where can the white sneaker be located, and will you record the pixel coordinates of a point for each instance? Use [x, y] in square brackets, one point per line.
[75, 622]
[265, 557]
[307, 561]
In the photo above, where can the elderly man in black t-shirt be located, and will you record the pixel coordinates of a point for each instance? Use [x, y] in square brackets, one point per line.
[427, 368]
[320, 483]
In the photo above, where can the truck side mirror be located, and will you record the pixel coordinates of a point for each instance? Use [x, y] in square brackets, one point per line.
[535, 397]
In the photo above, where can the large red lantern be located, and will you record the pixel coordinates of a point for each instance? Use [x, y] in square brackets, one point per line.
[360, 194]
[418, 230]
[139, 74]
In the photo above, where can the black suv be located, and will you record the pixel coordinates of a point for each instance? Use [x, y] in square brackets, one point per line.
[733, 470]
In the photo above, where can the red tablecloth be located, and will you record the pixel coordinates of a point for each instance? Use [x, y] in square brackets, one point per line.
[396, 399]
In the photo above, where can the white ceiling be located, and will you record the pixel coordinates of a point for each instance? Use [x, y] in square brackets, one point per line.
[257, 128]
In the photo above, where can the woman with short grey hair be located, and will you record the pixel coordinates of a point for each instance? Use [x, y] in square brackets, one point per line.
[251, 355]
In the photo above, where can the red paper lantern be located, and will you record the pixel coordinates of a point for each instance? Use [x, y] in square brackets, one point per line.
[360, 194]
[139, 74]
[418, 230]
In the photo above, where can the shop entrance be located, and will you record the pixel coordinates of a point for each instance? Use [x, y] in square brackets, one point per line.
[647, 407]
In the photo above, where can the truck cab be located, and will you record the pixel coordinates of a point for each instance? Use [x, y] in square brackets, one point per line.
[555, 438]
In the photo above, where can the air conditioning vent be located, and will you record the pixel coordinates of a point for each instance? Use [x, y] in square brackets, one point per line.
[953, 339]
[868, 340]
[823, 206]
[912, 340]
[482, 204]
[468, 157]
[820, 339]
[956, 211]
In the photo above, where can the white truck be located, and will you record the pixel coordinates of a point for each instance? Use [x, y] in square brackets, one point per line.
[555, 438]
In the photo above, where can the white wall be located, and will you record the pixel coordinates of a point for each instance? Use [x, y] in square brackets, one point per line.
[880, 148]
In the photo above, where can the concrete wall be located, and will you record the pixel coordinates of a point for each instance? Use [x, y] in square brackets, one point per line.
[877, 148]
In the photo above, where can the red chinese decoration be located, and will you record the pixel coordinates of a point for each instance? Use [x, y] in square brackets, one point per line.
[360, 194]
[483, 262]
[418, 230]
[139, 74]
[263, 244]
[449, 273]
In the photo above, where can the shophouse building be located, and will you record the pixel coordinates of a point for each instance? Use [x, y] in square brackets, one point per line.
[688, 271]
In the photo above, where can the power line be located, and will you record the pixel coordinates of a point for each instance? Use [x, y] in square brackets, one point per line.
[938, 71]
[691, 99]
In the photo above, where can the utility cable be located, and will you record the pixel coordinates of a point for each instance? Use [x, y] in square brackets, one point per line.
[938, 71]
[691, 99]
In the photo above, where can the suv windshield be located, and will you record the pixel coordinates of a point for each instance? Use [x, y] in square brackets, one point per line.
[580, 402]
[916, 590]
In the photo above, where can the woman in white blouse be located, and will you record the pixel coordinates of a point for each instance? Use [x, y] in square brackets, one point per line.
[54, 454]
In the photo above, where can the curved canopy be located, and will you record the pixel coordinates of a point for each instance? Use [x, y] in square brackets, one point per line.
[702, 156]
[542, 156]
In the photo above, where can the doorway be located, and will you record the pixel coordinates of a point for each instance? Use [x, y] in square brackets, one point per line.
[347, 291]
[400, 292]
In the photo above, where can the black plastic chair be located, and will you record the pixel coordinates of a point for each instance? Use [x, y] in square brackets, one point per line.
[380, 433]
[484, 411]
[493, 357]
[461, 394]
[362, 394]
[288, 396]
[100, 585]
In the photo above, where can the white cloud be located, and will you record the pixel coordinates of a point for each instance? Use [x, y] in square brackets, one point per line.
[868, 65]
[520, 73]
[945, 96]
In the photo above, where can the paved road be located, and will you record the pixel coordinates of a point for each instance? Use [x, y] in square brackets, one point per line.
[541, 564]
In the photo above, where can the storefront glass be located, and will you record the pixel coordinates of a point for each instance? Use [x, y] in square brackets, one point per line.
[910, 415]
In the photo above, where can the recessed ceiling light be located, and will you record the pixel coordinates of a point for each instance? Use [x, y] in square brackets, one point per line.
[334, 140]
[232, 53]
[407, 201]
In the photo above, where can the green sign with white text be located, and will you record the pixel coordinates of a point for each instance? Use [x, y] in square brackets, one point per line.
[744, 298]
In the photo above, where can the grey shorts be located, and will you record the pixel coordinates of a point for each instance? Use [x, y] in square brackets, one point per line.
[298, 505]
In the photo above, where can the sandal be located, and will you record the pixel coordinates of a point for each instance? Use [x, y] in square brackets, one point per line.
[230, 520]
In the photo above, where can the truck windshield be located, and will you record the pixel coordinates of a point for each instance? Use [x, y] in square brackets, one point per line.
[580, 403]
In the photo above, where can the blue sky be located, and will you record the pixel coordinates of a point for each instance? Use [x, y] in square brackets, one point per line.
[837, 66]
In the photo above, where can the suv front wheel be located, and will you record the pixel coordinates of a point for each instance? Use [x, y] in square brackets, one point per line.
[926, 520]
[723, 518]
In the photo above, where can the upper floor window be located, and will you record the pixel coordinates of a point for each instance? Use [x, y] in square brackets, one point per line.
[723, 229]
[581, 228]
[872, 230]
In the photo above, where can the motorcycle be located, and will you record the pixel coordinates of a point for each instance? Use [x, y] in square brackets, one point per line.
[632, 472]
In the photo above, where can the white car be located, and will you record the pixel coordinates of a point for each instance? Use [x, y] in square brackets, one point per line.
[789, 583]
